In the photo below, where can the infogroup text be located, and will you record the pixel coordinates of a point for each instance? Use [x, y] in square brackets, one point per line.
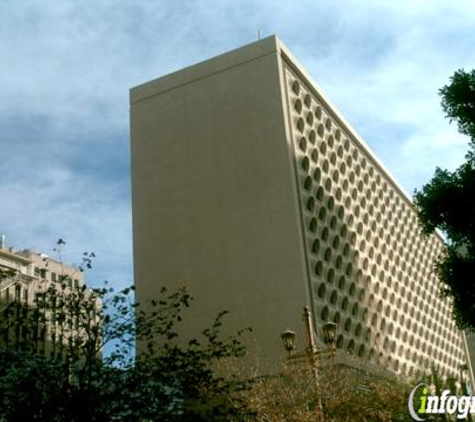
[429, 404]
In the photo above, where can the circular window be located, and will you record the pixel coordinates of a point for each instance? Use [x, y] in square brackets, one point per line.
[324, 314]
[308, 100]
[361, 295]
[313, 225]
[325, 166]
[320, 193]
[317, 175]
[333, 297]
[343, 233]
[345, 185]
[320, 130]
[351, 220]
[325, 234]
[310, 118]
[346, 249]
[314, 156]
[338, 134]
[312, 136]
[335, 176]
[333, 158]
[296, 87]
[336, 242]
[333, 223]
[349, 161]
[321, 291]
[341, 282]
[359, 228]
[307, 184]
[338, 194]
[319, 268]
[318, 112]
[310, 204]
[315, 246]
[339, 342]
[361, 351]
[344, 304]
[323, 148]
[298, 105]
[351, 346]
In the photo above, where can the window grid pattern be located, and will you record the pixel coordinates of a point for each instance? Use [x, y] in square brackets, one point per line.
[371, 268]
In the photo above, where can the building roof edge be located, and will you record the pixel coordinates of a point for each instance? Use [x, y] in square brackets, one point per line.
[205, 68]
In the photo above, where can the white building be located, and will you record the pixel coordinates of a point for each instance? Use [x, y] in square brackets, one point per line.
[24, 275]
[250, 188]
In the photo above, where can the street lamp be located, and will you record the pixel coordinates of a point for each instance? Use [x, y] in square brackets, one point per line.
[288, 338]
[464, 368]
[329, 336]
[329, 333]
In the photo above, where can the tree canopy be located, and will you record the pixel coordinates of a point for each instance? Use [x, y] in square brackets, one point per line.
[52, 369]
[447, 202]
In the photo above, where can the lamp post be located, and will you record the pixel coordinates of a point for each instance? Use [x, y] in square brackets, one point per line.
[463, 385]
[463, 368]
[329, 334]
[288, 338]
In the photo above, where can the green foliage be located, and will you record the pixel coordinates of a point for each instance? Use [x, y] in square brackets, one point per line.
[447, 202]
[458, 101]
[47, 374]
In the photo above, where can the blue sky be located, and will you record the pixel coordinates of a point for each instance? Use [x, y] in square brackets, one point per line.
[66, 68]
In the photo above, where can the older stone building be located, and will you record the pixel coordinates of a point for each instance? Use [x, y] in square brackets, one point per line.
[27, 316]
[250, 188]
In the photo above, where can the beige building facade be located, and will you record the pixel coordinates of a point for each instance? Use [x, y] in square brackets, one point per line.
[24, 276]
[253, 191]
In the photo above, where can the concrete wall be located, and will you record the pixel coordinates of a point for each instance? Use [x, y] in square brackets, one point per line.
[214, 196]
[250, 188]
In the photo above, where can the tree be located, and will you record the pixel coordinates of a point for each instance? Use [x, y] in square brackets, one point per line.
[350, 393]
[168, 379]
[447, 203]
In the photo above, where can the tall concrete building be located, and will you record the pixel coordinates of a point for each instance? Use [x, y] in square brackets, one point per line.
[252, 190]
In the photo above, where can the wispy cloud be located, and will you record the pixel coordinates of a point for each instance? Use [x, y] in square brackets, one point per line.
[66, 67]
